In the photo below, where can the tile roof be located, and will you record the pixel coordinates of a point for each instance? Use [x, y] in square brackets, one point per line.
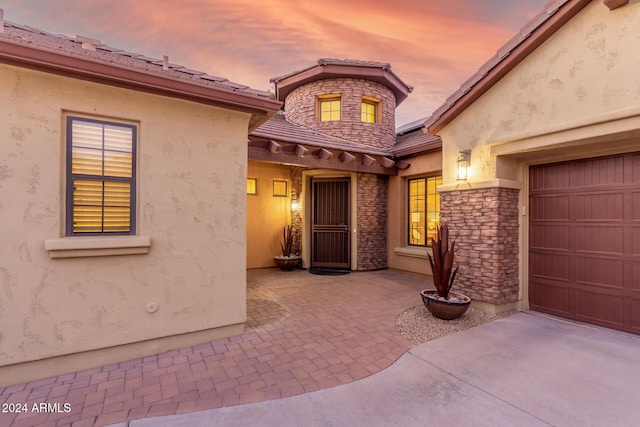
[278, 128]
[96, 51]
[555, 13]
[327, 68]
[415, 141]
[335, 61]
[411, 126]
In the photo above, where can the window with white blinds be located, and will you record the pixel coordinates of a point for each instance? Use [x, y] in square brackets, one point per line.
[100, 177]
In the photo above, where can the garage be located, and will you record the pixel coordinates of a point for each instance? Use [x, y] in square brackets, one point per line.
[584, 240]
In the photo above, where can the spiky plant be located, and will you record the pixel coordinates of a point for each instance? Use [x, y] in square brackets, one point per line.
[442, 261]
[287, 241]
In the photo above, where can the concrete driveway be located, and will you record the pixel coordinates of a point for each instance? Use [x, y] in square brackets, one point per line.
[523, 370]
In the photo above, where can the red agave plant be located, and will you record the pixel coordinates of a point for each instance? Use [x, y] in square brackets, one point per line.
[442, 261]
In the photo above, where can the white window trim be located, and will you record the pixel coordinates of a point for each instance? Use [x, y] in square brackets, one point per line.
[86, 246]
[413, 251]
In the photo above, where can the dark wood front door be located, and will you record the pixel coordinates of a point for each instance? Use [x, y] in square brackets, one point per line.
[584, 240]
[330, 237]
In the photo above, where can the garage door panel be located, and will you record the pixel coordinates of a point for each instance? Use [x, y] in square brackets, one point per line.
[634, 314]
[600, 308]
[635, 241]
[584, 264]
[635, 165]
[549, 237]
[549, 298]
[600, 207]
[635, 206]
[551, 208]
[551, 177]
[608, 273]
[549, 266]
[606, 171]
[601, 239]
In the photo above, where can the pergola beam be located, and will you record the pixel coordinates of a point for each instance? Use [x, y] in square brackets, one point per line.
[274, 147]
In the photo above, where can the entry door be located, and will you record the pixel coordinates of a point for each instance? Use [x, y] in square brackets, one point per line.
[330, 238]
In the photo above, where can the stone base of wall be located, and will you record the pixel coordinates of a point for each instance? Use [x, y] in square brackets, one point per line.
[372, 221]
[484, 223]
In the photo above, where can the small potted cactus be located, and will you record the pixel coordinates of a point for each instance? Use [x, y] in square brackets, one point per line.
[287, 261]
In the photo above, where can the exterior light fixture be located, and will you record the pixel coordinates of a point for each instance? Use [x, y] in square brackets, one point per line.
[295, 203]
[464, 158]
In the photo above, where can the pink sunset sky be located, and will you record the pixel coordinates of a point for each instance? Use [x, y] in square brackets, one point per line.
[432, 45]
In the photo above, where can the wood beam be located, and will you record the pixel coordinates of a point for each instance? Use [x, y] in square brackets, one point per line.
[325, 154]
[401, 164]
[347, 157]
[274, 147]
[289, 158]
[367, 160]
[614, 4]
[301, 151]
[387, 162]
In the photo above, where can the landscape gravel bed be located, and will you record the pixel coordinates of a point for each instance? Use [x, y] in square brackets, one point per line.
[419, 326]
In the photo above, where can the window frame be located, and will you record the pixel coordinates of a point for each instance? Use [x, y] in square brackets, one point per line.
[71, 177]
[255, 186]
[375, 103]
[333, 97]
[276, 192]
[438, 181]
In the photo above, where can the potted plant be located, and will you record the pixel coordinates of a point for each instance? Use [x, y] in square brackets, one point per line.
[287, 261]
[443, 303]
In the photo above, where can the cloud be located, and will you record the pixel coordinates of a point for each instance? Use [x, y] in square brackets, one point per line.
[432, 45]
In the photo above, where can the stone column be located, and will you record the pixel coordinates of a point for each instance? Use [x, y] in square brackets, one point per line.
[484, 224]
[296, 214]
[372, 221]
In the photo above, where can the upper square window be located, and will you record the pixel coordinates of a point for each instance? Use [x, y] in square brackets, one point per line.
[101, 185]
[370, 110]
[329, 108]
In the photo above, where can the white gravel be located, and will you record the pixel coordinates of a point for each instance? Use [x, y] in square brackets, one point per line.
[419, 326]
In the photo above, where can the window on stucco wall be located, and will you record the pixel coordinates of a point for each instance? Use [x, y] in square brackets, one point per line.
[424, 210]
[101, 186]
[329, 108]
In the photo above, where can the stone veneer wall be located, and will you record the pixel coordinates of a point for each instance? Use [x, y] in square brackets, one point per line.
[372, 221]
[296, 214]
[484, 224]
[300, 108]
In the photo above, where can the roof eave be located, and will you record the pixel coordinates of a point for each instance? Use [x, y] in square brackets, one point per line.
[447, 113]
[319, 72]
[16, 54]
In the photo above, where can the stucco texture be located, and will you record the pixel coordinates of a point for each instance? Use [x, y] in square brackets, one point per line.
[584, 74]
[266, 214]
[192, 168]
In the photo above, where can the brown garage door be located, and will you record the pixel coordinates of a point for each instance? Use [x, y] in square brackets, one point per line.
[584, 240]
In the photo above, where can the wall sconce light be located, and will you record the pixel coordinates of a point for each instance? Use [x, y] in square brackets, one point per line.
[295, 204]
[464, 159]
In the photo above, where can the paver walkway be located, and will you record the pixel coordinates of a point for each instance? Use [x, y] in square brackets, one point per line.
[304, 333]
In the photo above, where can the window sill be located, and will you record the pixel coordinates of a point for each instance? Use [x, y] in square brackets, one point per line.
[412, 251]
[76, 247]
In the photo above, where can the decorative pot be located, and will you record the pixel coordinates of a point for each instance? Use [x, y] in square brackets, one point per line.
[287, 263]
[450, 309]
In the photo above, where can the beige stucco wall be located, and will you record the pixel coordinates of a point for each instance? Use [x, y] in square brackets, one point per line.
[562, 95]
[400, 256]
[266, 214]
[192, 168]
[577, 95]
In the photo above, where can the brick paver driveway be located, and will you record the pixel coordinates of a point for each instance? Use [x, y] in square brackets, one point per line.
[304, 333]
